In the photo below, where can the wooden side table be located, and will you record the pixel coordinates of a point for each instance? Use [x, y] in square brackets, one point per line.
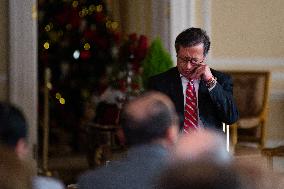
[272, 152]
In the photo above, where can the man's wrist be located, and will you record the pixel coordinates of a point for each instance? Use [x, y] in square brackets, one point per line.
[211, 82]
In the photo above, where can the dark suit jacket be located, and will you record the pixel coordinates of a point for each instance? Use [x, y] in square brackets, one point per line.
[138, 170]
[215, 107]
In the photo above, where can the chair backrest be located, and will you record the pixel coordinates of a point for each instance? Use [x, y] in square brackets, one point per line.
[251, 90]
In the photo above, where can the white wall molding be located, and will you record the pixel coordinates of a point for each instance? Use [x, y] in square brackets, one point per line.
[23, 62]
[3, 77]
[206, 13]
[182, 16]
[276, 95]
[268, 62]
[249, 63]
[161, 21]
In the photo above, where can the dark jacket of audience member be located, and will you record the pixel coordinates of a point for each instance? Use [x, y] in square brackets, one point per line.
[150, 127]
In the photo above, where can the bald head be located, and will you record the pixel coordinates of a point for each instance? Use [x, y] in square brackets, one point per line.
[148, 118]
[202, 144]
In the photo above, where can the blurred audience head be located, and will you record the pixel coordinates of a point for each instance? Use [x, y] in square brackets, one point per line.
[17, 171]
[13, 129]
[205, 173]
[150, 117]
[256, 175]
[199, 174]
[202, 144]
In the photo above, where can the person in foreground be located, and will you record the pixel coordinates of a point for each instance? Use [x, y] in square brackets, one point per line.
[150, 127]
[202, 144]
[13, 141]
[204, 174]
[199, 174]
[14, 174]
[203, 97]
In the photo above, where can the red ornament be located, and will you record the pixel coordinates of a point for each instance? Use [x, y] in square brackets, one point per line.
[141, 49]
[84, 55]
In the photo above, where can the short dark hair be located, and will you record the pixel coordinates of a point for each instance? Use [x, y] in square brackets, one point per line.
[156, 118]
[191, 37]
[13, 125]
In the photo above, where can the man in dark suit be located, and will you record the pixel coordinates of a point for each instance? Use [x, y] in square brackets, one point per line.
[150, 126]
[214, 89]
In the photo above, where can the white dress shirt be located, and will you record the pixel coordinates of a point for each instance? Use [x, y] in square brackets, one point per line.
[196, 82]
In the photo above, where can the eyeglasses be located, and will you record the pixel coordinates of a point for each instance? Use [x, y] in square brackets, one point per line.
[187, 60]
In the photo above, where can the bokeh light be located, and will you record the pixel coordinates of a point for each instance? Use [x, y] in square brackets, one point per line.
[62, 101]
[87, 46]
[46, 45]
[76, 54]
[58, 95]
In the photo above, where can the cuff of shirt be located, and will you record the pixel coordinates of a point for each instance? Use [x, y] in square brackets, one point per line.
[210, 89]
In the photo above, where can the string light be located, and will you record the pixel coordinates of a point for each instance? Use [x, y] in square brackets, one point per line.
[99, 8]
[49, 85]
[87, 46]
[58, 96]
[46, 45]
[62, 101]
[108, 24]
[75, 4]
[114, 25]
[47, 28]
[92, 8]
[85, 11]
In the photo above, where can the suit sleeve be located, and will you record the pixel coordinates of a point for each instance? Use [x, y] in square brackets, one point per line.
[153, 85]
[222, 97]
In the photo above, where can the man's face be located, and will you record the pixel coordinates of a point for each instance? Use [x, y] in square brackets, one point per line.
[188, 59]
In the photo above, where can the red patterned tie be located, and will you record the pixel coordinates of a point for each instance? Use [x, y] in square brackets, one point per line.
[190, 109]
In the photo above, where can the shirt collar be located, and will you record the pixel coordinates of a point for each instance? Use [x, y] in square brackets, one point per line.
[184, 78]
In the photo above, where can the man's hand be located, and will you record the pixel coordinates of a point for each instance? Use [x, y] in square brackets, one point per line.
[201, 71]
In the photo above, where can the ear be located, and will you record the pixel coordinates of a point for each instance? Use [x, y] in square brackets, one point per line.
[172, 134]
[21, 148]
[121, 137]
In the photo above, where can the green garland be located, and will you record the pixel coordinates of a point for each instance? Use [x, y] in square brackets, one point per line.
[157, 60]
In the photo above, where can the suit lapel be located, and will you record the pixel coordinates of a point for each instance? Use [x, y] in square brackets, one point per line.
[176, 91]
[203, 99]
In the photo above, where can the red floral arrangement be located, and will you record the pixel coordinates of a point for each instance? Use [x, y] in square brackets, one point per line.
[131, 54]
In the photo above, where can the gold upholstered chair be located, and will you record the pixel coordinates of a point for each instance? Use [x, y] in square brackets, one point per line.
[251, 91]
